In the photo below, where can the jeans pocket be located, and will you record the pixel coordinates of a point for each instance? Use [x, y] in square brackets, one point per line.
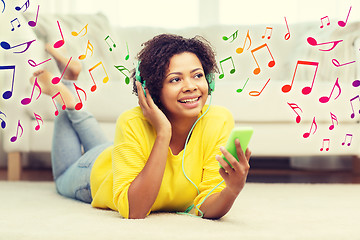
[85, 161]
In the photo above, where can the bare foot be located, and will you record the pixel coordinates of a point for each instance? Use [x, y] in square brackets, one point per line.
[74, 68]
[44, 78]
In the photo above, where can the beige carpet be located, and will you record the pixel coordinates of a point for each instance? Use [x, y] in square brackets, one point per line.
[33, 210]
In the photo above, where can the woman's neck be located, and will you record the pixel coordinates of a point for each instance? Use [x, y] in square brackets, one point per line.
[180, 130]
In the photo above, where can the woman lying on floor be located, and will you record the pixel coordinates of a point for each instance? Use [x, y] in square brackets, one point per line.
[164, 154]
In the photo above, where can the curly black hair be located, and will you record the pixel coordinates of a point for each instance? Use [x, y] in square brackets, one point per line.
[154, 59]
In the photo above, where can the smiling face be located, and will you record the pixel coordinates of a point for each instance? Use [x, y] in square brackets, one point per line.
[185, 88]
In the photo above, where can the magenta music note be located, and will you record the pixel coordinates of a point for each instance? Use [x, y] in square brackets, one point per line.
[287, 35]
[233, 36]
[56, 80]
[313, 42]
[241, 49]
[33, 23]
[6, 45]
[270, 30]
[26, 5]
[14, 138]
[271, 62]
[328, 144]
[62, 100]
[307, 134]
[293, 107]
[26, 101]
[34, 64]
[221, 76]
[337, 64]
[3, 123]
[346, 136]
[325, 99]
[77, 33]
[106, 78]
[61, 41]
[8, 94]
[38, 118]
[306, 90]
[122, 69]
[352, 107]
[257, 93]
[241, 89]
[328, 21]
[333, 118]
[79, 105]
[342, 23]
[356, 83]
[18, 25]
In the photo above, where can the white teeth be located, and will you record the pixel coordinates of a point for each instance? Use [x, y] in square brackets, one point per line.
[190, 100]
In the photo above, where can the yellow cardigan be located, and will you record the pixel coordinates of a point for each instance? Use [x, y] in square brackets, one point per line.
[116, 168]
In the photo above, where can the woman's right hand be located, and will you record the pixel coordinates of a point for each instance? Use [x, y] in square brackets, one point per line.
[153, 114]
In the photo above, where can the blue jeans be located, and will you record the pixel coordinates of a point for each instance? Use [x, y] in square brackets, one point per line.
[77, 142]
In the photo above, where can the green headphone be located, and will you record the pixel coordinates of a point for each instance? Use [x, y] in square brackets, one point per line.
[210, 78]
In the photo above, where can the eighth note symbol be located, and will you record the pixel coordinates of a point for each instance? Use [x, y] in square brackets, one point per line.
[328, 146]
[3, 123]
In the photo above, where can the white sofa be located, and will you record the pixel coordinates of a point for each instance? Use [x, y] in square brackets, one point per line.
[276, 131]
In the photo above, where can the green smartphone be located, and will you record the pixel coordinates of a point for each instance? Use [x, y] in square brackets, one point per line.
[244, 135]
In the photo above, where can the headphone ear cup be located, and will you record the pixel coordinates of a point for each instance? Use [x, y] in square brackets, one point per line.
[211, 80]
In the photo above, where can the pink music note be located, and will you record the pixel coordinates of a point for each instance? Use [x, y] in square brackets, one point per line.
[337, 64]
[89, 47]
[14, 138]
[63, 106]
[342, 23]
[33, 64]
[325, 99]
[352, 107]
[60, 42]
[322, 24]
[6, 45]
[270, 64]
[270, 29]
[306, 90]
[8, 94]
[33, 23]
[105, 80]
[16, 19]
[122, 69]
[79, 105]
[293, 107]
[38, 118]
[26, 101]
[257, 93]
[221, 76]
[313, 42]
[241, 89]
[333, 117]
[307, 134]
[77, 33]
[3, 123]
[328, 146]
[356, 83]
[240, 50]
[287, 35]
[26, 5]
[56, 80]
[350, 136]
[233, 36]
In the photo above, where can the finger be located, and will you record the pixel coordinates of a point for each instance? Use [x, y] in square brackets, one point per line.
[248, 154]
[223, 174]
[149, 99]
[240, 152]
[230, 158]
[141, 95]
